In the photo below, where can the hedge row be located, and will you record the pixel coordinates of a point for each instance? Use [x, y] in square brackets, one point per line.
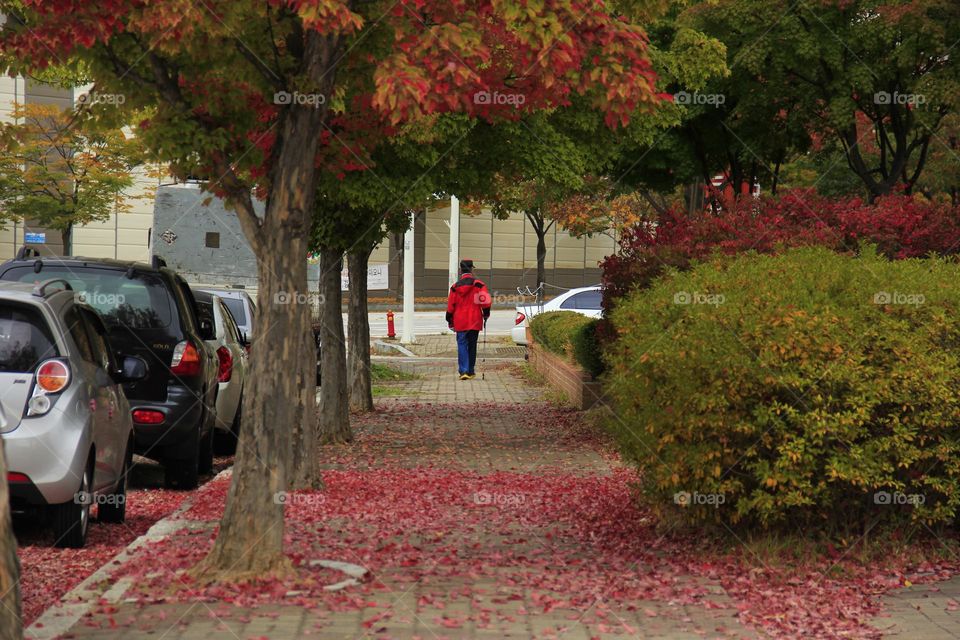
[809, 388]
[569, 334]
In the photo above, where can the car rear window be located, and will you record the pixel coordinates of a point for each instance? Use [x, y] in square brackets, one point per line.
[237, 310]
[25, 339]
[139, 302]
[587, 300]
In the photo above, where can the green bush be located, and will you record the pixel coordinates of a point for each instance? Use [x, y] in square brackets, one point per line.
[585, 345]
[805, 389]
[554, 329]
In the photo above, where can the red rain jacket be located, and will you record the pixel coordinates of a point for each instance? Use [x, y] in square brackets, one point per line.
[468, 304]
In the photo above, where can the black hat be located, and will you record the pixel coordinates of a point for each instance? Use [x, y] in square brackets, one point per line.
[466, 266]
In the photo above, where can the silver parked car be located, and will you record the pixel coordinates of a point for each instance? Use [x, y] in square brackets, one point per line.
[232, 355]
[241, 306]
[64, 419]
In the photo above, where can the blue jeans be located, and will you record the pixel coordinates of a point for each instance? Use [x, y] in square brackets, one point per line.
[467, 351]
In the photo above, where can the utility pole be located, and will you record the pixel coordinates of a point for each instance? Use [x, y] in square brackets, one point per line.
[409, 264]
[454, 264]
[454, 239]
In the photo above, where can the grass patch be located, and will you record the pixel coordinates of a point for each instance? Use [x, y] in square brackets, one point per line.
[526, 371]
[385, 373]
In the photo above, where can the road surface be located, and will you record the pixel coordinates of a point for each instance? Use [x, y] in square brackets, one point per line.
[433, 322]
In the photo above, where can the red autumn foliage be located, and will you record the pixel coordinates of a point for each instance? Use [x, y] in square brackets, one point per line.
[901, 227]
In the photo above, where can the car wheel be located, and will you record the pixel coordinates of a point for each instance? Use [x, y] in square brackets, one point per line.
[181, 466]
[71, 520]
[113, 506]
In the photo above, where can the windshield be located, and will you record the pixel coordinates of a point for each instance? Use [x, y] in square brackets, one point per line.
[24, 339]
[140, 302]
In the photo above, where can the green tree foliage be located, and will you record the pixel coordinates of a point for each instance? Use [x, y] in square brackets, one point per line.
[61, 171]
[877, 76]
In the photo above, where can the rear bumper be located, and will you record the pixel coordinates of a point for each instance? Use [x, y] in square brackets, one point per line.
[183, 410]
[51, 450]
[519, 334]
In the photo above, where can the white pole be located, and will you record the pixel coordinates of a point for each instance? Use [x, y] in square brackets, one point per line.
[454, 274]
[454, 239]
[409, 259]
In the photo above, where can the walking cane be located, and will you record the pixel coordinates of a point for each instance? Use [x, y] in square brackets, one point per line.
[483, 360]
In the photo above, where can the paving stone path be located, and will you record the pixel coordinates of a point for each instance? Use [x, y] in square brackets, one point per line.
[466, 414]
[927, 611]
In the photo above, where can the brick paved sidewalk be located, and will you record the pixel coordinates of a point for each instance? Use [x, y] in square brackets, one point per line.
[927, 611]
[484, 441]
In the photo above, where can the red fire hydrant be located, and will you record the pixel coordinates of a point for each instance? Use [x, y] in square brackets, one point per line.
[391, 330]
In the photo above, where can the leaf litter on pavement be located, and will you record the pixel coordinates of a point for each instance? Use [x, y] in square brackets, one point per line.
[471, 546]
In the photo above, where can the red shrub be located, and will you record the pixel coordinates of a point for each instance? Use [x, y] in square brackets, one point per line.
[900, 226]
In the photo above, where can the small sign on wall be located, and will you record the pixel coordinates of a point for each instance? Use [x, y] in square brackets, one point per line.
[378, 278]
[34, 238]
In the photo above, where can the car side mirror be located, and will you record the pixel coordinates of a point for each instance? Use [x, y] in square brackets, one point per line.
[132, 369]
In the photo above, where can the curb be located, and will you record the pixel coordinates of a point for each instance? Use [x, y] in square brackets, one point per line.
[73, 605]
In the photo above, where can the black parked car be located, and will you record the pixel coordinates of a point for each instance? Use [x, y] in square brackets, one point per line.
[149, 312]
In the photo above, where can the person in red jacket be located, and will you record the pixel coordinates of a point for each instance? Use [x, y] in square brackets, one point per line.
[468, 307]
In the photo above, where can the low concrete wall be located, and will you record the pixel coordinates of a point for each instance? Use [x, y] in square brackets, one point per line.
[581, 390]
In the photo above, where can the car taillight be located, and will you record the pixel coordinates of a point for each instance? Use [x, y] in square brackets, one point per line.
[186, 360]
[226, 364]
[147, 416]
[53, 376]
[520, 318]
[12, 476]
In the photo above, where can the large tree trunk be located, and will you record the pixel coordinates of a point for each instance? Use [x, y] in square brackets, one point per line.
[250, 541]
[358, 331]
[334, 405]
[304, 467]
[11, 626]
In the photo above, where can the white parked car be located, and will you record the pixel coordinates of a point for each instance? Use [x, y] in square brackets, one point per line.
[586, 301]
[241, 306]
[232, 355]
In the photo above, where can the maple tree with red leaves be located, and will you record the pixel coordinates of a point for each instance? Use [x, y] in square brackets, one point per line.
[242, 92]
